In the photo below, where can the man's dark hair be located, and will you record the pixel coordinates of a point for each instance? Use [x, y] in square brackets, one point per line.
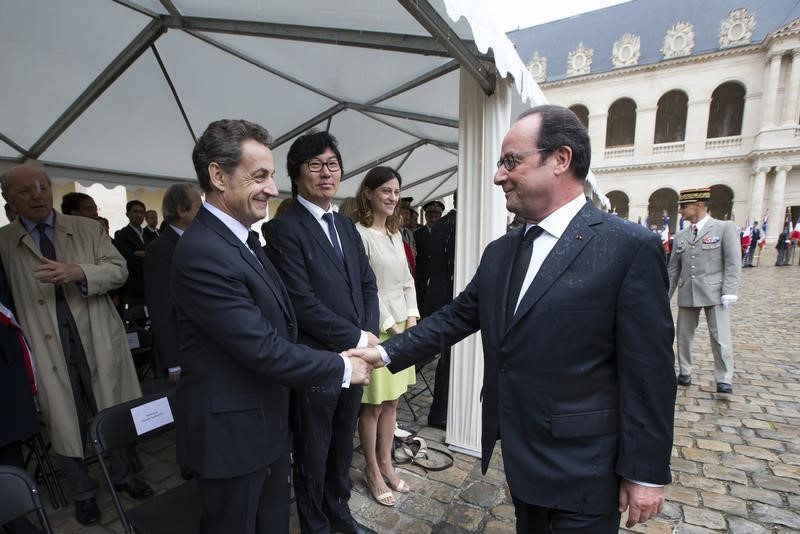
[132, 203]
[313, 143]
[221, 143]
[72, 202]
[561, 127]
[177, 196]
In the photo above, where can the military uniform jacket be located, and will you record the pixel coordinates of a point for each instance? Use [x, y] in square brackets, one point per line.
[704, 268]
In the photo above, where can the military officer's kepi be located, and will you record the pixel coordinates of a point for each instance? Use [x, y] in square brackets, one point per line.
[433, 205]
[697, 194]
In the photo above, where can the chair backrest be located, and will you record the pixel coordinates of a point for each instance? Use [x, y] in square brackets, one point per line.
[114, 427]
[20, 496]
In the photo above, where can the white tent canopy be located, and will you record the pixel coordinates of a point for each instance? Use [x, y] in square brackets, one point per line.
[115, 92]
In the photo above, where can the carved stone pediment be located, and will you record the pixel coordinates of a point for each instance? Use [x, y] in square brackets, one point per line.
[579, 61]
[679, 40]
[537, 66]
[626, 51]
[737, 29]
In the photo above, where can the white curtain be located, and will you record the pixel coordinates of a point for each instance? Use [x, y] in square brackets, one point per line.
[483, 121]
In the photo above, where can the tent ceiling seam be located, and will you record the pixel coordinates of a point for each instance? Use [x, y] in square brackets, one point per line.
[429, 19]
[104, 80]
[327, 114]
[441, 144]
[256, 63]
[433, 191]
[137, 8]
[433, 176]
[438, 72]
[405, 158]
[382, 159]
[419, 117]
[395, 42]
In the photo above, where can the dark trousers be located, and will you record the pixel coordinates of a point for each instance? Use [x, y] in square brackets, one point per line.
[255, 503]
[441, 388]
[81, 486]
[324, 423]
[533, 519]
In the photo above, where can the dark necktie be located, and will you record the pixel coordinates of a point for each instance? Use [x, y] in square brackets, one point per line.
[522, 261]
[694, 231]
[328, 217]
[48, 250]
[45, 245]
[255, 245]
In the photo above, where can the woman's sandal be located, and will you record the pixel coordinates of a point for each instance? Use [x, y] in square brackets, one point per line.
[401, 487]
[386, 498]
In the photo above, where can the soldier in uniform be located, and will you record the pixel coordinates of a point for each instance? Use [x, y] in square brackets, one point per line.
[704, 268]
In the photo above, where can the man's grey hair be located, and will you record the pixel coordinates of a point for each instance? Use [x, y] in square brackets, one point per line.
[177, 195]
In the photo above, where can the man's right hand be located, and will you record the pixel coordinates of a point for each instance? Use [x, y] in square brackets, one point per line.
[360, 370]
[371, 355]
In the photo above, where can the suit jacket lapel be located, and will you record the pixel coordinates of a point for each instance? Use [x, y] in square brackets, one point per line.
[316, 231]
[707, 228]
[25, 239]
[572, 241]
[504, 279]
[272, 280]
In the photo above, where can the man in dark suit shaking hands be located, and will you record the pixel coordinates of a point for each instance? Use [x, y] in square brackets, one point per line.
[323, 264]
[237, 332]
[579, 382]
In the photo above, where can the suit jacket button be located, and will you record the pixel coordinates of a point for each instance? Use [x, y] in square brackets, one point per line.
[41, 302]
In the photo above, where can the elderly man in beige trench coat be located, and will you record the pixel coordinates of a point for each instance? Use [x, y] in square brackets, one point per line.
[80, 350]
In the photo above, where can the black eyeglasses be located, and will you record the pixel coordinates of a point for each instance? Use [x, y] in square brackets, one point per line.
[510, 161]
[315, 165]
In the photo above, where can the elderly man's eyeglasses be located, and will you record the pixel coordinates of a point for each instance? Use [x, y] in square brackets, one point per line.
[510, 161]
[315, 165]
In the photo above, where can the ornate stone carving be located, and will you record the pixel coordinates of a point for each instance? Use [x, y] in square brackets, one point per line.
[679, 40]
[537, 66]
[626, 51]
[579, 61]
[737, 29]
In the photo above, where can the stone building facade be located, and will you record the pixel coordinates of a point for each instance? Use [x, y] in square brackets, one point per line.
[682, 94]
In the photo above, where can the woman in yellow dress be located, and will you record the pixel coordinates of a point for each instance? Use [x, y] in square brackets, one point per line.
[379, 225]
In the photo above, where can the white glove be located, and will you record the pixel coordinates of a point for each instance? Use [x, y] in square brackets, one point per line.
[727, 300]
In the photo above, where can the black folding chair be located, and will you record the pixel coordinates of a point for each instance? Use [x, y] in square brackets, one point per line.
[175, 511]
[45, 471]
[20, 497]
[409, 396]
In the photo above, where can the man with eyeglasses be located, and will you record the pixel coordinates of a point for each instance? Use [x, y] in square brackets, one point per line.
[579, 379]
[321, 259]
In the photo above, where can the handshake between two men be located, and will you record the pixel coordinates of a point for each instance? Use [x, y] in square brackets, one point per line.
[363, 361]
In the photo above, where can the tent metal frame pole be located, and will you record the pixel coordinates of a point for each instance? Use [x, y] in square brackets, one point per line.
[327, 114]
[440, 144]
[433, 191]
[137, 8]
[395, 42]
[431, 75]
[419, 117]
[263, 66]
[383, 159]
[457, 48]
[114, 70]
[7, 140]
[405, 158]
[170, 7]
[173, 90]
[433, 176]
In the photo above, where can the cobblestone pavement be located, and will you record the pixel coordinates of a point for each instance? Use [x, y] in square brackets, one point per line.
[735, 460]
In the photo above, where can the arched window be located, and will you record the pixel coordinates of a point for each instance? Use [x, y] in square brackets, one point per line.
[621, 126]
[619, 203]
[582, 112]
[720, 205]
[671, 117]
[727, 109]
[664, 201]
